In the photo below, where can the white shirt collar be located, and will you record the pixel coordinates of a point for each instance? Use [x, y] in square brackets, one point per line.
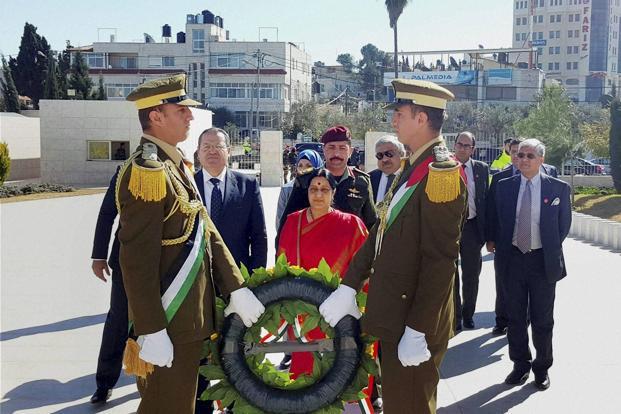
[534, 181]
[208, 176]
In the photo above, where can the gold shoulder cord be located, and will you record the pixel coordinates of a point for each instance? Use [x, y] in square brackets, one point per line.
[188, 207]
[182, 203]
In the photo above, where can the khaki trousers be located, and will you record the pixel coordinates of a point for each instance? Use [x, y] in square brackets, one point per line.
[172, 390]
[410, 390]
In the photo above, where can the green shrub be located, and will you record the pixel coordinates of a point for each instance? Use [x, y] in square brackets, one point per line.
[595, 190]
[7, 191]
[5, 162]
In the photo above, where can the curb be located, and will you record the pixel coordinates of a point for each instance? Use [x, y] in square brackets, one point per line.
[594, 229]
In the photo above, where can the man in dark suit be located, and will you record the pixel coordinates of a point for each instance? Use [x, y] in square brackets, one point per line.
[110, 359]
[490, 227]
[388, 151]
[234, 204]
[534, 217]
[233, 201]
[473, 233]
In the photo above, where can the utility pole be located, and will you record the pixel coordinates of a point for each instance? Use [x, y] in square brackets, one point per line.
[347, 100]
[260, 57]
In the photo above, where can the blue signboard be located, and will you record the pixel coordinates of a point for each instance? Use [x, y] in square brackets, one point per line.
[539, 42]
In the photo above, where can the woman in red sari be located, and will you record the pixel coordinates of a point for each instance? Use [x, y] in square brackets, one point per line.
[317, 232]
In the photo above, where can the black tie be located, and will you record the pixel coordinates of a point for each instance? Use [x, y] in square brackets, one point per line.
[216, 201]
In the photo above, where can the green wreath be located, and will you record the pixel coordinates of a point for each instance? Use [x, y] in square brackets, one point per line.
[270, 321]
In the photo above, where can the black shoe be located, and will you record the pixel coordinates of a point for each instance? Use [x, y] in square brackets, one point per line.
[101, 396]
[458, 327]
[468, 324]
[499, 330]
[378, 405]
[285, 363]
[542, 382]
[516, 377]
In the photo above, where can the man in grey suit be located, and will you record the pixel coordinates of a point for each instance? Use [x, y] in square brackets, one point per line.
[473, 233]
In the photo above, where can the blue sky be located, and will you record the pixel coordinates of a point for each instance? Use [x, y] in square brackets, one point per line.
[325, 27]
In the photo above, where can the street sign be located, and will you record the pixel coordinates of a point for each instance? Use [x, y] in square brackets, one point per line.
[539, 42]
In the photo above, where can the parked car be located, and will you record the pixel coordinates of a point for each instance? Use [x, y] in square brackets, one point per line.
[582, 166]
[604, 162]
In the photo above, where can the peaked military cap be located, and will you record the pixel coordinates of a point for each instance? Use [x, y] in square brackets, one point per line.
[162, 91]
[423, 93]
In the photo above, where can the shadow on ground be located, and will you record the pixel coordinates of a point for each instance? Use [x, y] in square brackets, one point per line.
[479, 351]
[46, 392]
[480, 403]
[66, 325]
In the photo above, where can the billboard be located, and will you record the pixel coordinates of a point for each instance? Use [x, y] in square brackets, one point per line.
[499, 76]
[447, 77]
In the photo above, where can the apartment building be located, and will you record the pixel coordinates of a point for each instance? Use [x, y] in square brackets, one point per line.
[577, 42]
[257, 81]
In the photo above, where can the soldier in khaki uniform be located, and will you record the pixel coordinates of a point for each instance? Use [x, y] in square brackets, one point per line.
[410, 256]
[171, 255]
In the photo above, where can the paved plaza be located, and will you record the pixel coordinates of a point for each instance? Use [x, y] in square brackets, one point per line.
[53, 309]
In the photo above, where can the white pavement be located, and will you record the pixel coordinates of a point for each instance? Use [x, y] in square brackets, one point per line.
[53, 308]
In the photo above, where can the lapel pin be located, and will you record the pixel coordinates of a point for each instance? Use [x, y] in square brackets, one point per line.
[545, 201]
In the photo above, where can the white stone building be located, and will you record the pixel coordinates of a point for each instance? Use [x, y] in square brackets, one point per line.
[21, 133]
[577, 42]
[221, 72]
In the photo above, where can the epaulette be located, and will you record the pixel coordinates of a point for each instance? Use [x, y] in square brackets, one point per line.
[360, 172]
[444, 179]
[147, 180]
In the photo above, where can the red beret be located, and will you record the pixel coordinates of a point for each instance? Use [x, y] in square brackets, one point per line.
[336, 133]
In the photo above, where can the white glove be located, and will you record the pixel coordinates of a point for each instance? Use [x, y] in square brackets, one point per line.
[156, 348]
[340, 303]
[412, 350]
[246, 305]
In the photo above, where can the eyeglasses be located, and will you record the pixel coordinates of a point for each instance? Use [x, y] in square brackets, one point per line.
[530, 155]
[464, 146]
[213, 147]
[381, 155]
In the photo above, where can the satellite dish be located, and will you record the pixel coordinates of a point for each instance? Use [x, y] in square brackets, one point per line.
[148, 38]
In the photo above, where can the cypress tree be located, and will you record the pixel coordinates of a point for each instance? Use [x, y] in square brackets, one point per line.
[30, 68]
[80, 79]
[51, 90]
[9, 91]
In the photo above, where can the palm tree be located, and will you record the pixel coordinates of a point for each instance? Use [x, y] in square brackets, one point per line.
[395, 8]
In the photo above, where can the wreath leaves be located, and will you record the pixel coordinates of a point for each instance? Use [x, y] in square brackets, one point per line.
[289, 310]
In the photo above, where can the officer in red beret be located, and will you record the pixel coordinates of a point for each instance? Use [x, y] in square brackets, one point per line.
[353, 192]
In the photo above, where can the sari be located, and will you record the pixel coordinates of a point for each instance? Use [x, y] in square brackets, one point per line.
[335, 237]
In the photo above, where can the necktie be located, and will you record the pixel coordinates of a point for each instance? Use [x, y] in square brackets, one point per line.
[523, 230]
[216, 201]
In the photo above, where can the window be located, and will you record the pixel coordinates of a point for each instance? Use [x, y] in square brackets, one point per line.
[517, 37]
[244, 90]
[575, 66]
[228, 60]
[168, 61]
[550, 66]
[577, 17]
[569, 49]
[550, 50]
[552, 18]
[540, 18]
[558, 18]
[518, 21]
[570, 33]
[539, 51]
[575, 51]
[202, 76]
[568, 65]
[524, 21]
[155, 61]
[198, 41]
[576, 33]
[558, 34]
[500, 93]
[95, 60]
[119, 90]
[557, 50]
[557, 66]
[571, 17]
[107, 150]
[551, 34]
[572, 82]
[524, 36]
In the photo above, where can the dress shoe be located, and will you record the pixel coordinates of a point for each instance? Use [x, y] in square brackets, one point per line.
[499, 330]
[101, 395]
[285, 363]
[378, 405]
[458, 327]
[516, 377]
[542, 382]
[468, 324]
